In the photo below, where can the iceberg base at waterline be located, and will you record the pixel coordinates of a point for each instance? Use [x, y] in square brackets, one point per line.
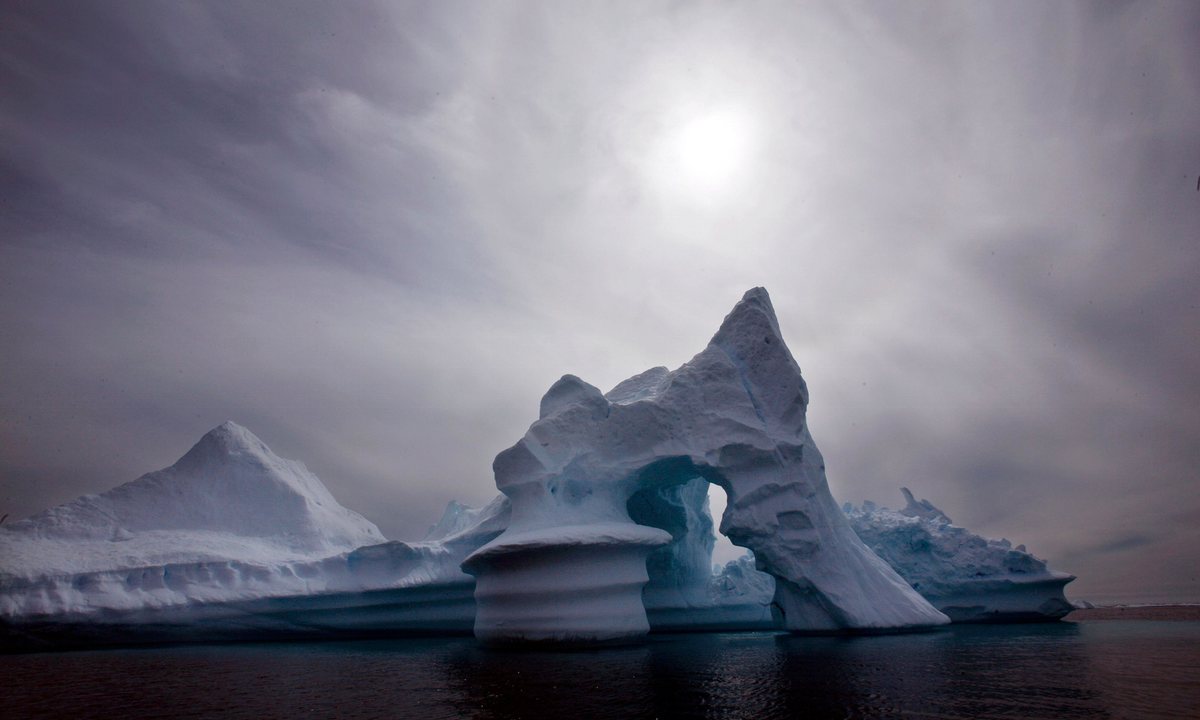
[402, 612]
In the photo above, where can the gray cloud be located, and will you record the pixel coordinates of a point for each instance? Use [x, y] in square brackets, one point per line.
[376, 234]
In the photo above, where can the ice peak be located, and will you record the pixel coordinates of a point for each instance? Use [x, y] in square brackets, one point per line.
[750, 333]
[231, 434]
[232, 452]
[639, 387]
[450, 522]
[750, 337]
[225, 441]
[752, 314]
[228, 482]
[567, 391]
[922, 508]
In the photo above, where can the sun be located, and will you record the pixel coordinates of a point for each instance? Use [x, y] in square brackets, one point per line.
[698, 158]
[703, 155]
[712, 145]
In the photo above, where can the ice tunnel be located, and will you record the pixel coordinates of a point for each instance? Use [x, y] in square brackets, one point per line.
[572, 565]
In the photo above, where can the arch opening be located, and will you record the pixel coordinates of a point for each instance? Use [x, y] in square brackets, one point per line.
[685, 590]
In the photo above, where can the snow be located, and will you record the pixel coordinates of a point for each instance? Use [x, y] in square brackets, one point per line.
[968, 577]
[734, 415]
[229, 497]
[570, 536]
[232, 523]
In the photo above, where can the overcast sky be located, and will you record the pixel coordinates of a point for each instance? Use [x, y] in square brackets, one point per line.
[375, 235]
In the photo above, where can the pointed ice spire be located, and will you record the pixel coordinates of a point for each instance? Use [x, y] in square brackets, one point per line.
[753, 310]
[750, 336]
[921, 508]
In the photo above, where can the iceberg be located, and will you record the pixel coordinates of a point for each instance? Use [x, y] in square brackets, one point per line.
[229, 497]
[967, 577]
[601, 532]
[232, 541]
[572, 564]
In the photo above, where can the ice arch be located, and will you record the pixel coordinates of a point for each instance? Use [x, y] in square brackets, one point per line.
[572, 564]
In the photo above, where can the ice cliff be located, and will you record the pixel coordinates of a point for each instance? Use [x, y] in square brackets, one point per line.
[572, 563]
[968, 577]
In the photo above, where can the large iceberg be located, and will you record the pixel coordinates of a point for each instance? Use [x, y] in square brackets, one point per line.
[602, 531]
[232, 541]
[968, 577]
[571, 566]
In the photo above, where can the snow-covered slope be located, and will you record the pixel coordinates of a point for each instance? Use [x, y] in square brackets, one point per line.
[571, 565]
[968, 577]
[229, 497]
[230, 525]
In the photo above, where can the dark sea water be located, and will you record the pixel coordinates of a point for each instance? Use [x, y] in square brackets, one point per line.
[1098, 669]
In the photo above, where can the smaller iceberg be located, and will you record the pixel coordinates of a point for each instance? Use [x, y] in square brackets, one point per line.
[230, 542]
[967, 577]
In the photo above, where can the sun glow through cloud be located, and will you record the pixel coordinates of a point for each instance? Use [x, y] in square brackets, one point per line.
[702, 156]
[712, 148]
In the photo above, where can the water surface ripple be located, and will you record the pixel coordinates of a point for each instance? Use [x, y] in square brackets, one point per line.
[1110, 669]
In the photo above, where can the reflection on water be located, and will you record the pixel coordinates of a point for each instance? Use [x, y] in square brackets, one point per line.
[1061, 670]
[977, 671]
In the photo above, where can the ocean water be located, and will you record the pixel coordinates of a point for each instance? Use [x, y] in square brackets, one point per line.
[1099, 669]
